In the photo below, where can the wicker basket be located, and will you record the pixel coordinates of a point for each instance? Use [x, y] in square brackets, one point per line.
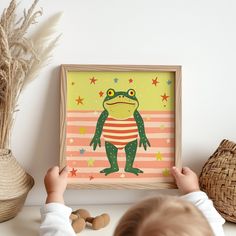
[15, 184]
[218, 179]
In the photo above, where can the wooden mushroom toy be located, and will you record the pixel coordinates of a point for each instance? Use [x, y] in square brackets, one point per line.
[82, 213]
[99, 222]
[78, 223]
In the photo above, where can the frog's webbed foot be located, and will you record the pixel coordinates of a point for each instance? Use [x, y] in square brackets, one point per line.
[110, 170]
[135, 171]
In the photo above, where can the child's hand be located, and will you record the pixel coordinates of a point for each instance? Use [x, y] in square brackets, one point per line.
[187, 180]
[55, 184]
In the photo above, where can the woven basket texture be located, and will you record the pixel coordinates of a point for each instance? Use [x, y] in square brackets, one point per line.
[218, 179]
[15, 184]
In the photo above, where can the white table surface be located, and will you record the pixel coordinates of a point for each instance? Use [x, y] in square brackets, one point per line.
[28, 220]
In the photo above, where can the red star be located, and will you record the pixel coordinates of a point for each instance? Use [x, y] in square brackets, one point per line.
[131, 81]
[73, 172]
[101, 93]
[93, 80]
[79, 100]
[91, 177]
[155, 82]
[164, 97]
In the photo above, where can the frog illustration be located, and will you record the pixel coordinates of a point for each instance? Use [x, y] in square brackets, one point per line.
[120, 124]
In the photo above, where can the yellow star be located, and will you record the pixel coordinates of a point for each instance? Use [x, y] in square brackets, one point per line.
[162, 126]
[82, 130]
[166, 172]
[90, 162]
[159, 157]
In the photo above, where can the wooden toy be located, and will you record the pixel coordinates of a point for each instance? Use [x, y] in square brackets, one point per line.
[80, 217]
[99, 222]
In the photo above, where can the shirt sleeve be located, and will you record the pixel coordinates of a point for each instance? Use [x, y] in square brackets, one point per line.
[205, 205]
[55, 220]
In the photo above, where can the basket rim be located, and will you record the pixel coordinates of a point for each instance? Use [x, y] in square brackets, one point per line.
[15, 181]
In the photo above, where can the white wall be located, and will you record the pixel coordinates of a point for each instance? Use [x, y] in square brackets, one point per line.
[199, 35]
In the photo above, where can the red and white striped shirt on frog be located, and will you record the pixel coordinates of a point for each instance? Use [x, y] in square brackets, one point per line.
[120, 132]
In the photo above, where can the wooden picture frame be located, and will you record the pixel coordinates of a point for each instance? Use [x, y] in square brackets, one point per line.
[95, 103]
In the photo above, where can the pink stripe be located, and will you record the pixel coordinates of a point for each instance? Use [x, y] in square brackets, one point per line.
[155, 142]
[138, 164]
[121, 154]
[91, 129]
[116, 176]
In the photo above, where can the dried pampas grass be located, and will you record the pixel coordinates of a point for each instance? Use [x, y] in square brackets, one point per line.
[21, 58]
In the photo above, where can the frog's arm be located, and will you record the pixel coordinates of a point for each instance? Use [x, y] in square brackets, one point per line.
[96, 138]
[141, 130]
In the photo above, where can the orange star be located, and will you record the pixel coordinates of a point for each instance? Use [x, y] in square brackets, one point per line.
[164, 97]
[93, 80]
[101, 93]
[155, 81]
[79, 100]
[73, 172]
[91, 177]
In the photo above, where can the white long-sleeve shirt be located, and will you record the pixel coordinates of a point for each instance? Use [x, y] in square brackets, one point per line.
[56, 222]
[205, 205]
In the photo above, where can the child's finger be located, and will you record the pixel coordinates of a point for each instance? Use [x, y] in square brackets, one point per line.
[176, 172]
[54, 170]
[64, 171]
[186, 170]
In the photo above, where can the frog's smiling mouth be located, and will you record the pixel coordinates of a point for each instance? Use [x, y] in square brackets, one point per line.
[129, 103]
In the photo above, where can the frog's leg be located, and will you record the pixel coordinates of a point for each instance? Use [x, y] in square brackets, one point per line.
[130, 151]
[111, 151]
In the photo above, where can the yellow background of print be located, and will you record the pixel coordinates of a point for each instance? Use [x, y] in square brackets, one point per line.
[148, 95]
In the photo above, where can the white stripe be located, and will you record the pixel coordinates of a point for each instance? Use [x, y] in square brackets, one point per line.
[120, 180]
[155, 135]
[120, 128]
[120, 146]
[120, 122]
[97, 114]
[83, 158]
[139, 149]
[146, 124]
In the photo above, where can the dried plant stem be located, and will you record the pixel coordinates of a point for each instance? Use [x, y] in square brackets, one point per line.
[20, 60]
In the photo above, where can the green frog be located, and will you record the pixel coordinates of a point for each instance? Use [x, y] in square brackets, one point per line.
[120, 124]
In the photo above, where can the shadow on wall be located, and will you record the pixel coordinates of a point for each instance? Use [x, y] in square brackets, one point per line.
[196, 158]
[45, 153]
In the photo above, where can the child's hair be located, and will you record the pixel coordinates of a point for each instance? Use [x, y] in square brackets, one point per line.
[163, 216]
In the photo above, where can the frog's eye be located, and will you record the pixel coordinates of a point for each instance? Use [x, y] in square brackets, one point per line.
[110, 92]
[131, 92]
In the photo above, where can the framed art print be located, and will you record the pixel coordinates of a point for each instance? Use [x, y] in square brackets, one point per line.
[120, 125]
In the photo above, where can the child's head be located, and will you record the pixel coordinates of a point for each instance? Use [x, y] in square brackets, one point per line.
[163, 216]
